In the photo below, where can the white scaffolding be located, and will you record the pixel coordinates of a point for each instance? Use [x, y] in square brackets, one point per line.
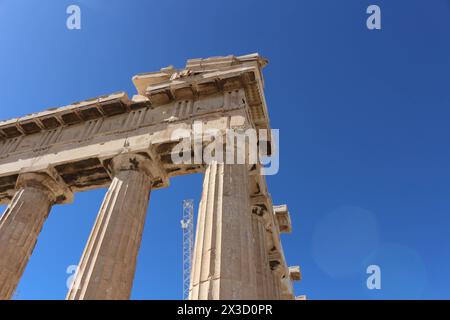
[187, 225]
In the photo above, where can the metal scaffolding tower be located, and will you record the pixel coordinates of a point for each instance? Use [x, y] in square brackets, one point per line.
[187, 225]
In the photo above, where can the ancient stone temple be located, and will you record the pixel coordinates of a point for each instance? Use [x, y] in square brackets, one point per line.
[125, 145]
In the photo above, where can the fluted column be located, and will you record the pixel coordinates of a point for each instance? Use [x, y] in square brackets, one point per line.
[108, 263]
[21, 224]
[223, 263]
[265, 280]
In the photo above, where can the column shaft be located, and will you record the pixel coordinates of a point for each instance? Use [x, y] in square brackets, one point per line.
[20, 226]
[107, 266]
[264, 277]
[223, 263]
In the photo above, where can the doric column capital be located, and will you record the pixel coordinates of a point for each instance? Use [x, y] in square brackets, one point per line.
[131, 162]
[53, 185]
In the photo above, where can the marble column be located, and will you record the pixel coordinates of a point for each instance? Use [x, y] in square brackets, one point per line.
[223, 263]
[108, 263]
[266, 289]
[21, 224]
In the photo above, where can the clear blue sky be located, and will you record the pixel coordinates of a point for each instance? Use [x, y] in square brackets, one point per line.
[363, 118]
